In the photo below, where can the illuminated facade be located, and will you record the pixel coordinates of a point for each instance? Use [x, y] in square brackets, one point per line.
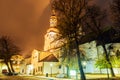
[2, 66]
[52, 33]
[41, 61]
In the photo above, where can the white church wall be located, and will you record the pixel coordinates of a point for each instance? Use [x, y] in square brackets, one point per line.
[50, 66]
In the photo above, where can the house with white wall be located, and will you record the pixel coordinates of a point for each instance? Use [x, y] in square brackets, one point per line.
[43, 63]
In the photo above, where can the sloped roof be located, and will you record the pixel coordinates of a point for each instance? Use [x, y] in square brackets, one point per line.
[44, 54]
[49, 58]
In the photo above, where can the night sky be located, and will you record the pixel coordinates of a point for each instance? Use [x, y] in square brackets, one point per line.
[26, 21]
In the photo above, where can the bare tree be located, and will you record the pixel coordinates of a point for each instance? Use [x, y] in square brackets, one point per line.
[70, 13]
[94, 20]
[7, 50]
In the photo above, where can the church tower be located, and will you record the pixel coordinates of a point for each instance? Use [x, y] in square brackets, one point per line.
[52, 33]
[53, 19]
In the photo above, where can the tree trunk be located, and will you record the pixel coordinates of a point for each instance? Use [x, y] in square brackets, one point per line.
[79, 62]
[108, 59]
[11, 66]
[8, 67]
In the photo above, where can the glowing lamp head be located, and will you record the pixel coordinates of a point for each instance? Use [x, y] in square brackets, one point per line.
[51, 65]
[84, 63]
[72, 72]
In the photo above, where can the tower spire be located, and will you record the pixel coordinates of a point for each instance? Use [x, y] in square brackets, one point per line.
[53, 12]
[53, 19]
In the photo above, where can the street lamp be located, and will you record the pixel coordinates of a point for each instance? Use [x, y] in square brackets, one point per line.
[84, 65]
[51, 68]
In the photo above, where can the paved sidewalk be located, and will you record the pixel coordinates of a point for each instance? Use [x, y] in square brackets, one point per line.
[53, 78]
[32, 77]
[88, 77]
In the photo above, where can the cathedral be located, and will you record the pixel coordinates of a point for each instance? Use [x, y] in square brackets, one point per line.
[52, 34]
[43, 61]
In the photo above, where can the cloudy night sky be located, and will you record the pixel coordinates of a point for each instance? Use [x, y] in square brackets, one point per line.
[26, 21]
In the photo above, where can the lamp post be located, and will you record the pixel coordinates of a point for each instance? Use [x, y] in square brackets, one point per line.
[51, 68]
[84, 65]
